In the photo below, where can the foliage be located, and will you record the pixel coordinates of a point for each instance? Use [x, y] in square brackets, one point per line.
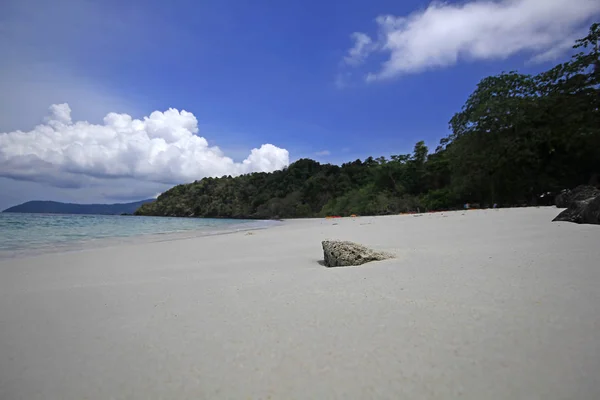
[516, 137]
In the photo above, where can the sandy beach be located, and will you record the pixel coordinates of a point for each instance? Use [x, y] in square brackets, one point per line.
[484, 304]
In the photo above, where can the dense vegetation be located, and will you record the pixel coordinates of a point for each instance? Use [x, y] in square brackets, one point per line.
[54, 207]
[516, 137]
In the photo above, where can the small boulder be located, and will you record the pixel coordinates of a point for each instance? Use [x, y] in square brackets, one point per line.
[341, 254]
[562, 199]
[582, 212]
[581, 193]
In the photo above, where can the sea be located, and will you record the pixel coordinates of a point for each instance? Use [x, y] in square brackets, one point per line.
[24, 234]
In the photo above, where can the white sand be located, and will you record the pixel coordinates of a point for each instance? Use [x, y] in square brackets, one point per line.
[495, 304]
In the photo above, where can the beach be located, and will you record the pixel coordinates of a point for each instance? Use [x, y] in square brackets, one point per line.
[482, 304]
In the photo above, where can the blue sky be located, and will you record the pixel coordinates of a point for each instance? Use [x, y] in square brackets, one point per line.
[330, 80]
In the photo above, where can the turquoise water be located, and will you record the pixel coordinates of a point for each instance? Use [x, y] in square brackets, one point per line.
[23, 234]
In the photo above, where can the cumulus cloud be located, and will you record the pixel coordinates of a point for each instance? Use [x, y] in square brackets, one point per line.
[444, 33]
[163, 147]
[363, 45]
[323, 153]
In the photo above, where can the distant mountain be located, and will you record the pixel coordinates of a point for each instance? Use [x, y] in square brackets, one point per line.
[54, 207]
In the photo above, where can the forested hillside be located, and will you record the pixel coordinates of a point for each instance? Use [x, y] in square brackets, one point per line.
[55, 207]
[516, 137]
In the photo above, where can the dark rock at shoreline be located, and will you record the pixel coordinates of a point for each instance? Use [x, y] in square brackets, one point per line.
[562, 199]
[583, 206]
[580, 193]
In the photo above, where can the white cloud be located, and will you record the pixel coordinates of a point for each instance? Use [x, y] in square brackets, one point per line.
[555, 52]
[323, 153]
[444, 33]
[161, 148]
[363, 45]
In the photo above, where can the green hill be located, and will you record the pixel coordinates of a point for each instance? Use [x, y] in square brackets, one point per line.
[516, 137]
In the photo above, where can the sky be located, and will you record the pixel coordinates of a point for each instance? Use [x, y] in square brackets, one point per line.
[110, 101]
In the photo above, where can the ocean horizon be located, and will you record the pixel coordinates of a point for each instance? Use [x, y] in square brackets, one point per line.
[23, 234]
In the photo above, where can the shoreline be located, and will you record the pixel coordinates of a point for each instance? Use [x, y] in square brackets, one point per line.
[116, 241]
[491, 304]
[91, 244]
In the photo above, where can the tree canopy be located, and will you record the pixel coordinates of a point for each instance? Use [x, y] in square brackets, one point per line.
[516, 137]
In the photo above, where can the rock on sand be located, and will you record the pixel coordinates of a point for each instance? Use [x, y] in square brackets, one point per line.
[341, 254]
[583, 206]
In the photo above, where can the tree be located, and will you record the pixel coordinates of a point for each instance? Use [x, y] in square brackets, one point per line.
[517, 136]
